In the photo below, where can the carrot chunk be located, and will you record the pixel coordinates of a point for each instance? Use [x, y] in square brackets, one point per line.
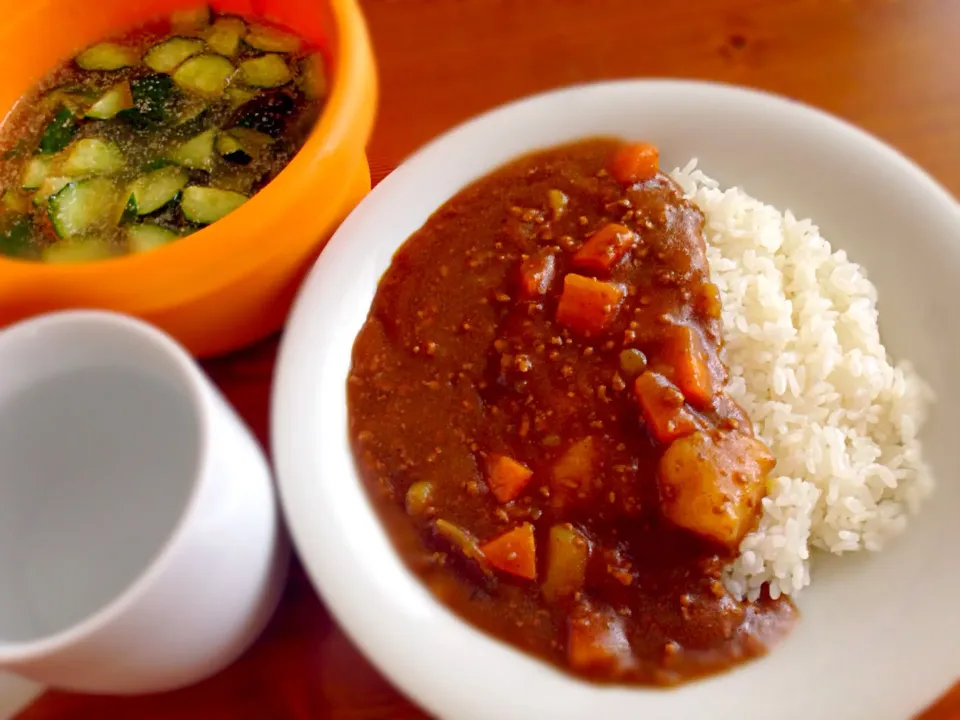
[507, 478]
[536, 274]
[635, 162]
[588, 305]
[605, 248]
[514, 552]
[688, 365]
[663, 407]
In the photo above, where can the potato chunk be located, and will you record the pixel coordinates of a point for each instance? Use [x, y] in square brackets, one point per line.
[597, 642]
[573, 472]
[566, 563]
[711, 483]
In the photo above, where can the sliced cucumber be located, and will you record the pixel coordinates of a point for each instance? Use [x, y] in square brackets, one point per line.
[237, 96]
[50, 186]
[191, 109]
[126, 212]
[266, 71]
[191, 21]
[83, 206]
[196, 153]
[14, 201]
[108, 56]
[205, 75]
[72, 98]
[143, 237]
[76, 251]
[36, 172]
[59, 132]
[16, 233]
[225, 34]
[268, 113]
[154, 190]
[114, 100]
[92, 156]
[312, 79]
[169, 54]
[152, 98]
[230, 148]
[206, 205]
[241, 145]
[270, 39]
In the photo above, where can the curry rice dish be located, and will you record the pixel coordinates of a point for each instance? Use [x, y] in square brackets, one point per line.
[605, 412]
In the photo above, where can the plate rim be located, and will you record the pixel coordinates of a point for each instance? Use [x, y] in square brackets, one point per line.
[285, 385]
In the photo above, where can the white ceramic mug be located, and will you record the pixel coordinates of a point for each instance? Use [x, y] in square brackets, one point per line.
[141, 547]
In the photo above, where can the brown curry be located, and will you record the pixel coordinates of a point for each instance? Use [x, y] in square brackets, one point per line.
[538, 407]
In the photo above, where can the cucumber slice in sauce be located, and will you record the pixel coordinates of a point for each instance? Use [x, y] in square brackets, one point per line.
[312, 79]
[50, 186]
[16, 231]
[72, 98]
[237, 96]
[190, 21]
[225, 34]
[59, 132]
[169, 54]
[267, 113]
[196, 153]
[83, 206]
[14, 201]
[205, 75]
[108, 56]
[232, 150]
[111, 102]
[190, 109]
[152, 98]
[266, 71]
[76, 251]
[270, 39]
[36, 172]
[144, 237]
[92, 156]
[205, 205]
[248, 143]
[154, 190]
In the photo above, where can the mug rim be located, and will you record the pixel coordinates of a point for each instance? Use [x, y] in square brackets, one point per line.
[192, 380]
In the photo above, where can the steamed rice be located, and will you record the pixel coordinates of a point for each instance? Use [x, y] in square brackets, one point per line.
[807, 364]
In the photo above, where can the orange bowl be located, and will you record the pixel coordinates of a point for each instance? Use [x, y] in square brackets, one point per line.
[231, 283]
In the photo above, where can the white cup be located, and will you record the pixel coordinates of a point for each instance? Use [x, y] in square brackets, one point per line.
[141, 547]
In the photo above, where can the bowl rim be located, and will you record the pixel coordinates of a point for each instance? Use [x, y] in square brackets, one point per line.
[162, 270]
[297, 458]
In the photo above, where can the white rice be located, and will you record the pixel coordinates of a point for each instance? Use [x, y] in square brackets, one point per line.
[807, 364]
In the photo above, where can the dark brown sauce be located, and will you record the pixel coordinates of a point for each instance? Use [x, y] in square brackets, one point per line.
[462, 362]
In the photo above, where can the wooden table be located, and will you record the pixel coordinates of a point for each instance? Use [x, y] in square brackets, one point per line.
[887, 65]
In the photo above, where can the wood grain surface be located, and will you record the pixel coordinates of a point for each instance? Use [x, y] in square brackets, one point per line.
[887, 65]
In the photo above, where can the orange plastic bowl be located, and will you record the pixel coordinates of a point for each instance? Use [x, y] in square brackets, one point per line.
[231, 283]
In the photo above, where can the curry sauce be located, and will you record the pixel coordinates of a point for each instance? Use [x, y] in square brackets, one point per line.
[537, 407]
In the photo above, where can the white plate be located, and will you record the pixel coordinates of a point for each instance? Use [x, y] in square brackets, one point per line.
[880, 635]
